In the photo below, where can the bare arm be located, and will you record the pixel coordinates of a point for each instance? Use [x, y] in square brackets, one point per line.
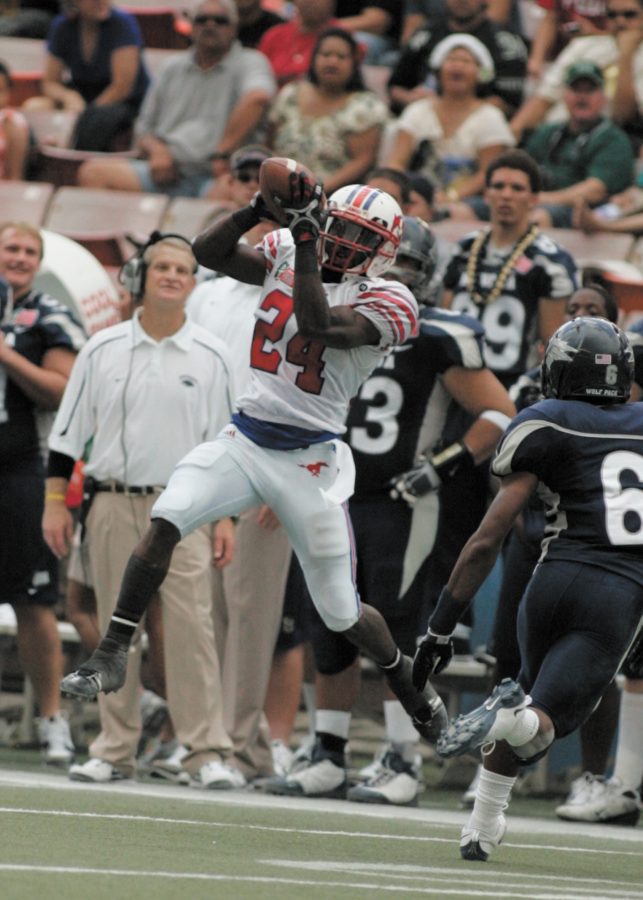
[499, 11]
[362, 152]
[591, 190]
[218, 248]
[124, 65]
[403, 146]
[530, 114]
[624, 103]
[474, 184]
[53, 87]
[551, 315]
[241, 122]
[543, 43]
[371, 19]
[477, 391]
[401, 96]
[481, 550]
[339, 327]
[17, 149]
[43, 384]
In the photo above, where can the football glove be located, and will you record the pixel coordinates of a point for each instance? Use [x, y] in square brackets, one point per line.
[306, 210]
[431, 657]
[258, 204]
[418, 481]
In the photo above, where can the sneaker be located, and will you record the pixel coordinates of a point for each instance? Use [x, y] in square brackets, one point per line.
[324, 776]
[476, 845]
[282, 757]
[170, 768]
[104, 671]
[374, 768]
[96, 771]
[55, 740]
[303, 755]
[219, 776]
[398, 782]
[466, 733]
[593, 799]
[468, 798]
[425, 707]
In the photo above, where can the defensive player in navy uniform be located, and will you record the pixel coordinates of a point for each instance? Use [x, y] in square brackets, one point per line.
[512, 277]
[394, 427]
[582, 447]
[39, 339]
[315, 341]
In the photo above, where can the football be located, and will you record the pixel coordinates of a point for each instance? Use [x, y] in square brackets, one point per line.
[275, 183]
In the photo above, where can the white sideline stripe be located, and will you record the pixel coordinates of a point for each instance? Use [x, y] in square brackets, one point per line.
[410, 872]
[495, 891]
[321, 832]
[444, 819]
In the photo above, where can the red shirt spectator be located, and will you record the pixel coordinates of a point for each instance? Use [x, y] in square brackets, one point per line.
[289, 47]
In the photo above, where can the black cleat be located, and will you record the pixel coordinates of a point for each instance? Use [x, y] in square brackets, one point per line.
[105, 671]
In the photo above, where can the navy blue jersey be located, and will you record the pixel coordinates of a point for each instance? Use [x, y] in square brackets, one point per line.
[589, 461]
[635, 336]
[545, 270]
[37, 324]
[401, 408]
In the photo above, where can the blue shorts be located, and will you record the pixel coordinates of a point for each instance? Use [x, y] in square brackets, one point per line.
[186, 186]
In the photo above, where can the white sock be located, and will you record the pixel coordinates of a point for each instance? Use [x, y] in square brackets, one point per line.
[492, 797]
[333, 721]
[308, 693]
[399, 728]
[629, 748]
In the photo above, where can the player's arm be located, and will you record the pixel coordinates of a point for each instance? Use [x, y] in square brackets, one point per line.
[44, 384]
[339, 327]
[480, 393]
[475, 562]
[218, 247]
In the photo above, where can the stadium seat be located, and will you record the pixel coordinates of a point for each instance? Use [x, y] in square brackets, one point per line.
[60, 165]
[158, 26]
[24, 85]
[188, 215]
[593, 249]
[54, 127]
[108, 223]
[23, 54]
[26, 201]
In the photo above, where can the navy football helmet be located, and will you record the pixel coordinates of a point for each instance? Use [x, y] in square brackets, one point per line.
[588, 359]
[418, 246]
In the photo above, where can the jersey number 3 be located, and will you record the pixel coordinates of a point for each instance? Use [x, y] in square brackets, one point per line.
[298, 351]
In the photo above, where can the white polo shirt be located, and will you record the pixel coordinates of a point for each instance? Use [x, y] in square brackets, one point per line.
[145, 403]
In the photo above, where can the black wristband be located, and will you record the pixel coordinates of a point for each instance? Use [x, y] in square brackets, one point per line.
[451, 460]
[59, 465]
[445, 616]
[245, 218]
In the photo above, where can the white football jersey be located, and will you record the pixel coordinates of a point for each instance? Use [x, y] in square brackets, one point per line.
[302, 382]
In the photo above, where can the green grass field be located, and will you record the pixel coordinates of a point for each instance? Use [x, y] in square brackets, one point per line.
[62, 839]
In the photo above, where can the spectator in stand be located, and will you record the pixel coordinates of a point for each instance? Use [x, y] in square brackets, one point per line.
[585, 159]
[330, 122]
[31, 20]
[376, 25]
[101, 49]
[254, 21]
[412, 78]
[452, 137]
[590, 222]
[619, 55]
[419, 13]
[14, 133]
[289, 47]
[39, 339]
[204, 105]
[562, 21]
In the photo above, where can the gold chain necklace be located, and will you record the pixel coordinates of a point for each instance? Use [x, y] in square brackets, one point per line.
[476, 254]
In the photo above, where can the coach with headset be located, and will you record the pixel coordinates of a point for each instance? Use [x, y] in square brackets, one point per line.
[147, 391]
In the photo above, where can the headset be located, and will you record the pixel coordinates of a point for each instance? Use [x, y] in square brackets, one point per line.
[133, 271]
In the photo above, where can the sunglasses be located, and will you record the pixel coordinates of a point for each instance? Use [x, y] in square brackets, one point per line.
[624, 14]
[247, 177]
[216, 20]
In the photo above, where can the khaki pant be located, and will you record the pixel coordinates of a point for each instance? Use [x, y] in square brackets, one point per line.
[248, 607]
[115, 525]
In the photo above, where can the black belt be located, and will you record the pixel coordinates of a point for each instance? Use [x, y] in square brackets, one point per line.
[117, 487]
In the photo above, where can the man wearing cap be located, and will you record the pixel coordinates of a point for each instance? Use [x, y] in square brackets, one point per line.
[206, 103]
[587, 158]
[412, 77]
[619, 56]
